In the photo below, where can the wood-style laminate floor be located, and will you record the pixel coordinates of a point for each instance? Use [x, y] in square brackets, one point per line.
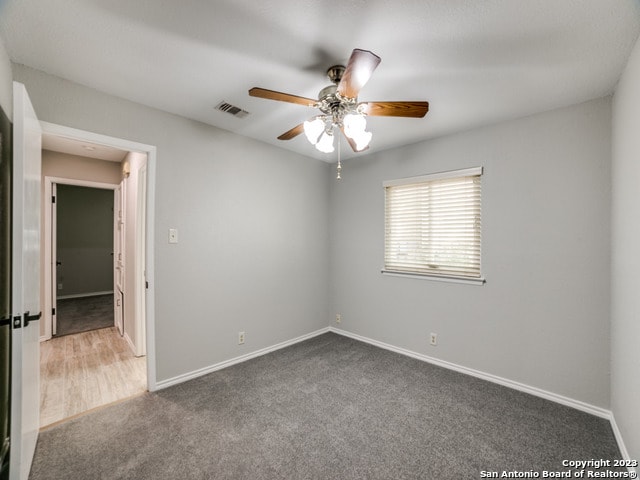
[87, 370]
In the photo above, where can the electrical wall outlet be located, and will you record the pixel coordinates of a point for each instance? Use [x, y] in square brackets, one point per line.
[338, 318]
[433, 339]
[240, 338]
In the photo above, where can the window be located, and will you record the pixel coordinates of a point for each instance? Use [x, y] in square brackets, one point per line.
[432, 225]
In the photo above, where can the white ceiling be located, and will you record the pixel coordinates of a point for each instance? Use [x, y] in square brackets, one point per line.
[476, 61]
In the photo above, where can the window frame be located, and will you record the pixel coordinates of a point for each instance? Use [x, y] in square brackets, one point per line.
[432, 275]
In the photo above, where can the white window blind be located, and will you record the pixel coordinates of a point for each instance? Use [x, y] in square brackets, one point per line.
[432, 224]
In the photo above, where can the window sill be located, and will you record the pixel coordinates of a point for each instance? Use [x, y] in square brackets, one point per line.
[437, 278]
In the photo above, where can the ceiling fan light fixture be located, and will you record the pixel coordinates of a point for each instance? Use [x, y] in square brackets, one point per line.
[362, 140]
[354, 125]
[325, 144]
[339, 106]
[354, 128]
[313, 129]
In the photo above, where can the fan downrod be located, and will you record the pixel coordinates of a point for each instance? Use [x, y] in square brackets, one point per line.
[335, 73]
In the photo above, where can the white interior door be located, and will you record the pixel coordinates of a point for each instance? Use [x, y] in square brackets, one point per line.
[118, 257]
[54, 259]
[25, 388]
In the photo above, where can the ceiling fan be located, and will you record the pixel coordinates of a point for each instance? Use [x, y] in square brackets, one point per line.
[340, 107]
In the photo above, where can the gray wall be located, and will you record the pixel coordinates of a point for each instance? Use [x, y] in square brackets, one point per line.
[542, 318]
[252, 220]
[625, 277]
[84, 240]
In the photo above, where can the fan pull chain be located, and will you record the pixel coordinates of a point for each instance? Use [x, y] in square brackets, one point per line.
[339, 167]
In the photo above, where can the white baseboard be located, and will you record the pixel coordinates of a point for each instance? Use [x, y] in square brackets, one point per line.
[82, 295]
[618, 435]
[233, 361]
[130, 343]
[554, 397]
[623, 448]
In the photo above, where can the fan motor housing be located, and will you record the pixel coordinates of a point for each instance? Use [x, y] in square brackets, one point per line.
[335, 73]
[328, 93]
[330, 102]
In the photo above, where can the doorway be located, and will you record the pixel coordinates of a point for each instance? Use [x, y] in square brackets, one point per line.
[133, 348]
[83, 256]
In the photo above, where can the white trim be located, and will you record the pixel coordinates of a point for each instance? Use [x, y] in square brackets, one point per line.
[81, 183]
[150, 150]
[465, 172]
[77, 134]
[437, 278]
[47, 272]
[623, 448]
[233, 361]
[49, 182]
[130, 343]
[554, 397]
[83, 295]
[150, 327]
[140, 261]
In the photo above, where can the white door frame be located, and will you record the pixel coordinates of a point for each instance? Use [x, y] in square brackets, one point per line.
[118, 255]
[147, 295]
[50, 300]
[50, 258]
[140, 260]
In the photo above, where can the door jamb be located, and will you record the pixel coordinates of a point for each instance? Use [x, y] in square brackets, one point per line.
[49, 254]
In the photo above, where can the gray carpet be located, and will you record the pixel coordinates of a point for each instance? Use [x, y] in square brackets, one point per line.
[76, 315]
[327, 408]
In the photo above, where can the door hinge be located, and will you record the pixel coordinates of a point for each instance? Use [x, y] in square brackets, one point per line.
[53, 311]
[146, 285]
[53, 199]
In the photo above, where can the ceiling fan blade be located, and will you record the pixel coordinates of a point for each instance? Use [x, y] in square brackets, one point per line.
[352, 143]
[294, 132]
[361, 65]
[281, 97]
[395, 109]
